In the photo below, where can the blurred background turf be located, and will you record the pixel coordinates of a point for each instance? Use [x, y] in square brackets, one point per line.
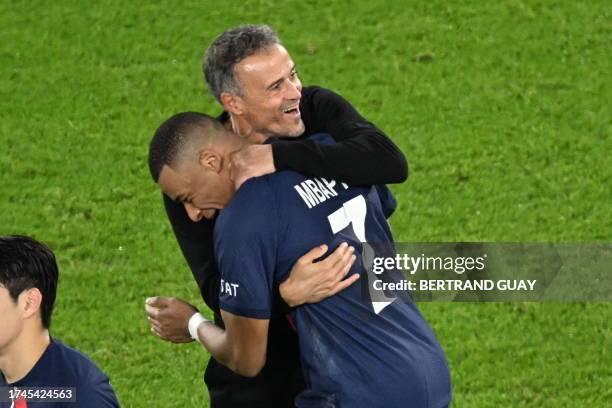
[502, 108]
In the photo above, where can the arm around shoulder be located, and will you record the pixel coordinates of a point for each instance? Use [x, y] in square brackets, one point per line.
[363, 154]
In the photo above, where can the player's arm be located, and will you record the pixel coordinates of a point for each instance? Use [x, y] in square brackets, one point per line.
[363, 154]
[241, 346]
[311, 281]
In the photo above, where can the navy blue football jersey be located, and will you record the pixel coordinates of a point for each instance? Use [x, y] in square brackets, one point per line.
[355, 352]
[64, 369]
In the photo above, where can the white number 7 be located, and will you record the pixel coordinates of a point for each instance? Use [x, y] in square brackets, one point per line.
[354, 212]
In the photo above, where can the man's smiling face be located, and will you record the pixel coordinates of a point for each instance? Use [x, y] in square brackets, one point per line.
[271, 92]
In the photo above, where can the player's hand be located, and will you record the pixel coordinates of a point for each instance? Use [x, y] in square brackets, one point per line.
[251, 161]
[311, 282]
[169, 318]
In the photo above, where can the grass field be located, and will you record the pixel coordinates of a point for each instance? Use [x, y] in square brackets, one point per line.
[503, 110]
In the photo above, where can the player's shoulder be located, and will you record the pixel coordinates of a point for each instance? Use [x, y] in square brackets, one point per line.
[256, 202]
[76, 363]
[266, 191]
[315, 95]
[253, 193]
[316, 91]
[92, 384]
[252, 203]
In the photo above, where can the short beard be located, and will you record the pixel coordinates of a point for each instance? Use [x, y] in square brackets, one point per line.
[298, 132]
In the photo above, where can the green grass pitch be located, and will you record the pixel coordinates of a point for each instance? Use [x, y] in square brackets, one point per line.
[502, 108]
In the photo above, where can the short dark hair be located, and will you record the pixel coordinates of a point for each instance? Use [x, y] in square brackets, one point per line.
[172, 135]
[227, 50]
[25, 264]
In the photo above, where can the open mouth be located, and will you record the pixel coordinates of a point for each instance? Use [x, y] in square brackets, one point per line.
[292, 110]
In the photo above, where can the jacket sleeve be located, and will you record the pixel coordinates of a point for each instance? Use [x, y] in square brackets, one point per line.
[196, 242]
[362, 155]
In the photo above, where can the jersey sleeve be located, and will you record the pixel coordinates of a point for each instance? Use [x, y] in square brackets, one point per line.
[246, 250]
[364, 154]
[387, 200]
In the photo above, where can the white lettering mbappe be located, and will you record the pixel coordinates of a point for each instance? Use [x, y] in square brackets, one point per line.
[316, 190]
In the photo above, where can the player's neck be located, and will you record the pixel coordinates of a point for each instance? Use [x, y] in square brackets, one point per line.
[242, 128]
[231, 144]
[21, 355]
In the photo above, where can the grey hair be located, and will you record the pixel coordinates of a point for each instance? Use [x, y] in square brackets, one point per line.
[228, 49]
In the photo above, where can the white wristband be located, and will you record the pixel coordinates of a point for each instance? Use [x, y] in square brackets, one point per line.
[194, 322]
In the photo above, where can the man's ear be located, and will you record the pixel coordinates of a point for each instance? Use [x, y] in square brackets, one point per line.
[210, 160]
[30, 301]
[232, 103]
